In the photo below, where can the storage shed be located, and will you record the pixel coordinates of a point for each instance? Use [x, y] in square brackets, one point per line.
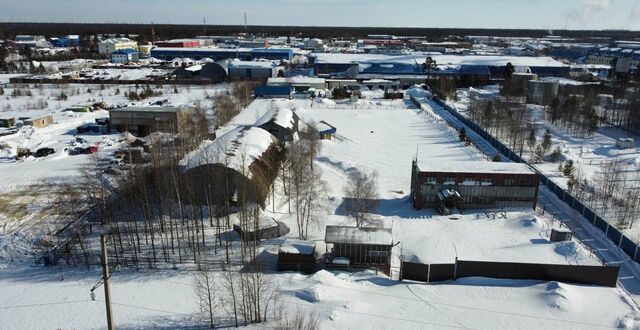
[297, 255]
[7, 122]
[267, 228]
[39, 122]
[625, 143]
[361, 245]
[326, 130]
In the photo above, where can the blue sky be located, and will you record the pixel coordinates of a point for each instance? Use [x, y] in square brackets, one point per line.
[539, 14]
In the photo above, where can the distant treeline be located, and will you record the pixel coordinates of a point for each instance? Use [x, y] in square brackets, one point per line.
[170, 31]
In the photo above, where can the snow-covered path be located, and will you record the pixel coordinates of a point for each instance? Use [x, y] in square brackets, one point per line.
[629, 276]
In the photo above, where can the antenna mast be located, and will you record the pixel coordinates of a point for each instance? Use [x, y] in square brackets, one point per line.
[245, 22]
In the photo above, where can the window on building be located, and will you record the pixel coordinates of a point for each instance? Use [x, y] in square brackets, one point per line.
[430, 180]
[450, 180]
[509, 182]
[487, 182]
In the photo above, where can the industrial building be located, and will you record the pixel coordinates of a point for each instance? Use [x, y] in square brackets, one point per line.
[65, 41]
[446, 186]
[124, 56]
[237, 167]
[252, 70]
[142, 121]
[179, 43]
[108, 46]
[542, 92]
[211, 72]
[23, 40]
[357, 65]
[217, 54]
[298, 83]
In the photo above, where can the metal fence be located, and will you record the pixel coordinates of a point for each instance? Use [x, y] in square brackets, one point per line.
[598, 275]
[617, 237]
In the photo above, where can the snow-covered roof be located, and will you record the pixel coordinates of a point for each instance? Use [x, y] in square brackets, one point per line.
[296, 80]
[566, 81]
[441, 60]
[296, 246]
[282, 117]
[323, 126]
[355, 235]
[236, 149]
[444, 166]
[251, 64]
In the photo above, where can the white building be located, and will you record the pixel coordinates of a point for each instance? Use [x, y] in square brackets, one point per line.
[106, 47]
[125, 56]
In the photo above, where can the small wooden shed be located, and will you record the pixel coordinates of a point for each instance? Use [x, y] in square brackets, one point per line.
[7, 122]
[297, 255]
[39, 122]
[267, 228]
[361, 245]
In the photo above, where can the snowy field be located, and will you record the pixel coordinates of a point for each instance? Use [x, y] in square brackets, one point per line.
[39, 299]
[382, 136]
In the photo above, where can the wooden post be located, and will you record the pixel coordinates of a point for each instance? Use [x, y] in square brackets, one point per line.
[105, 278]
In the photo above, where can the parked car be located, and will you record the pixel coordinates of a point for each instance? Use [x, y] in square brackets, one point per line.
[91, 150]
[76, 151]
[44, 152]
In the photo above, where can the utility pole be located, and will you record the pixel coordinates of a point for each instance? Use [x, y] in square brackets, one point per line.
[105, 278]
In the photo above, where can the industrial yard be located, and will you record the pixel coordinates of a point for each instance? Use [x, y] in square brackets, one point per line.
[168, 176]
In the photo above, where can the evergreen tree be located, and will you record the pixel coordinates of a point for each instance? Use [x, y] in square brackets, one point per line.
[531, 140]
[462, 134]
[568, 168]
[555, 155]
[546, 141]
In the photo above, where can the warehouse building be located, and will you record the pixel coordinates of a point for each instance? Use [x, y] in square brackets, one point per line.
[179, 43]
[142, 121]
[446, 186]
[125, 56]
[238, 167]
[106, 47]
[216, 54]
[252, 70]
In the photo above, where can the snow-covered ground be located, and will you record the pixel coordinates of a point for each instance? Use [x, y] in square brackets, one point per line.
[385, 137]
[37, 298]
[591, 154]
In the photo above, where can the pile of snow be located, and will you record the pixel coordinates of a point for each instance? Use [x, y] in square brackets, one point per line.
[27, 131]
[312, 294]
[557, 295]
[327, 101]
[417, 91]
